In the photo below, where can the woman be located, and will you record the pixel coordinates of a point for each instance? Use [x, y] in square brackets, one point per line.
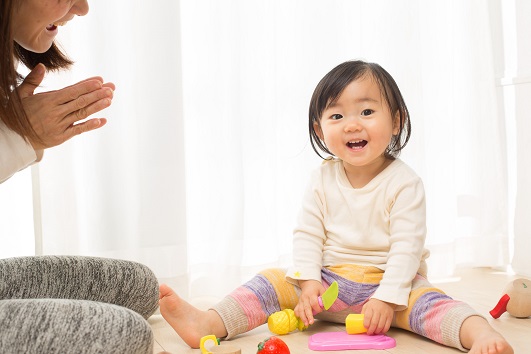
[60, 304]
[31, 123]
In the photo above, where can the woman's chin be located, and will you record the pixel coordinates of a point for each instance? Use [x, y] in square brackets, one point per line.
[37, 47]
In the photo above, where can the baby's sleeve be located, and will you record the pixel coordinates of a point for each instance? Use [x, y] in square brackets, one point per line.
[407, 239]
[309, 235]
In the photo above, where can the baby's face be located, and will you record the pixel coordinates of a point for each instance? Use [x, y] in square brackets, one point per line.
[358, 126]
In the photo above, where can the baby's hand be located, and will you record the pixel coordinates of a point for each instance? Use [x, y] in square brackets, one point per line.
[308, 301]
[378, 316]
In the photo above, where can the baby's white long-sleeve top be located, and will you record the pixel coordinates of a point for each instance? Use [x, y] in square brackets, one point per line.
[382, 224]
[15, 153]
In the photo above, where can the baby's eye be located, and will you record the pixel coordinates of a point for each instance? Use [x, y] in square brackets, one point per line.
[336, 116]
[367, 112]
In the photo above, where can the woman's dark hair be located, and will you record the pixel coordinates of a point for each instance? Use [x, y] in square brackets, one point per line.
[11, 111]
[332, 85]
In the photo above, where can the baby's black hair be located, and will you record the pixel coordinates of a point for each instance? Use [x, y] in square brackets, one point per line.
[332, 84]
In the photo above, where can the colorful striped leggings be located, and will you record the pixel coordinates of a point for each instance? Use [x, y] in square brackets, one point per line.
[430, 312]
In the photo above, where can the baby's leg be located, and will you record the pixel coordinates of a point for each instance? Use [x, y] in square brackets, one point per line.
[250, 305]
[477, 334]
[245, 308]
[436, 316]
[190, 323]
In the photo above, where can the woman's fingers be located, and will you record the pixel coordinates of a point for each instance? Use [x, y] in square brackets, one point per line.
[31, 81]
[84, 127]
[58, 115]
[86, 105]
[109, 85]
[73, 92]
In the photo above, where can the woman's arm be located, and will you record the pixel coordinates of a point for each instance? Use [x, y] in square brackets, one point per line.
[15, 153]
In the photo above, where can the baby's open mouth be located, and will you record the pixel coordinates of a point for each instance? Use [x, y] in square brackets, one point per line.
[357, 144]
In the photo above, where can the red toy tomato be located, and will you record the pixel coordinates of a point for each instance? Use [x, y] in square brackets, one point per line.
[273, 345]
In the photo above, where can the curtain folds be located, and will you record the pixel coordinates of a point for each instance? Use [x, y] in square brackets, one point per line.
[120, 191]
[201, 168]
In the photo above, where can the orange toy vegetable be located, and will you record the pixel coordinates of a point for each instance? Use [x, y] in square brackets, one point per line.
[273, 345]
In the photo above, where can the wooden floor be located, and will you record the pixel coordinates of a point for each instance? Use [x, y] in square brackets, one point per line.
[480, 287]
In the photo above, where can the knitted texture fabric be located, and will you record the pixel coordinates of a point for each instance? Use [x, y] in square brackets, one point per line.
[125, 283]
[430, 313]
[71, 304]
[46, 326]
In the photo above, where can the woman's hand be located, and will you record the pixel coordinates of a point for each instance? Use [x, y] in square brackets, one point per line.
[54, 114]
[308, 304]
[378, 316]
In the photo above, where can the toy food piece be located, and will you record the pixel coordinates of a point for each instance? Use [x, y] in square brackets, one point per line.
[283, 322]
[354, 323]
[272, 345]
[516, 300]
[208, 342]
[210, 345]
[344, 341]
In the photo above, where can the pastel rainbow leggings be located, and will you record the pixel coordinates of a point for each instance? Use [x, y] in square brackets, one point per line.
[430, 312]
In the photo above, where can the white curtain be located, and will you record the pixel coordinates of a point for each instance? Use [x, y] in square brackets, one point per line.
[200, 170]
[514, 91]
[16, 216]
[120, 192]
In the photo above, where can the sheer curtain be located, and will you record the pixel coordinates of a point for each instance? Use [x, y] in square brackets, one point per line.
[16, 221]
[513, 63]
[120, 192]
[200, 170]
[265, 58]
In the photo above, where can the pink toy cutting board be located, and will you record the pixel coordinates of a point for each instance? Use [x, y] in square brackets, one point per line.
[345, 341]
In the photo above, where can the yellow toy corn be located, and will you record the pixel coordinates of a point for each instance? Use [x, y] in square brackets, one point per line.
[283, 322]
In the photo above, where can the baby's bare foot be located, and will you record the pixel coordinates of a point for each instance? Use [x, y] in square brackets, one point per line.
[190, 323]
[491, 343]
[478, 335]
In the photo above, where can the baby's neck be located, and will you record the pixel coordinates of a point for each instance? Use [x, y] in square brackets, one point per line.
[360, 176]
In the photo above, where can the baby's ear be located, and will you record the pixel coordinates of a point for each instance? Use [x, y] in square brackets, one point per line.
[396, 123]
[318, 130]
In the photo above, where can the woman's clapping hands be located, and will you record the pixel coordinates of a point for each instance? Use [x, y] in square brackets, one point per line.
[57, 116]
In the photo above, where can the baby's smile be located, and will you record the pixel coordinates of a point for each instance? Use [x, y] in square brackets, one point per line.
[357, 144]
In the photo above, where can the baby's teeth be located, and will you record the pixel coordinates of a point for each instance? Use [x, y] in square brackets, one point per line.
[59, 23]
